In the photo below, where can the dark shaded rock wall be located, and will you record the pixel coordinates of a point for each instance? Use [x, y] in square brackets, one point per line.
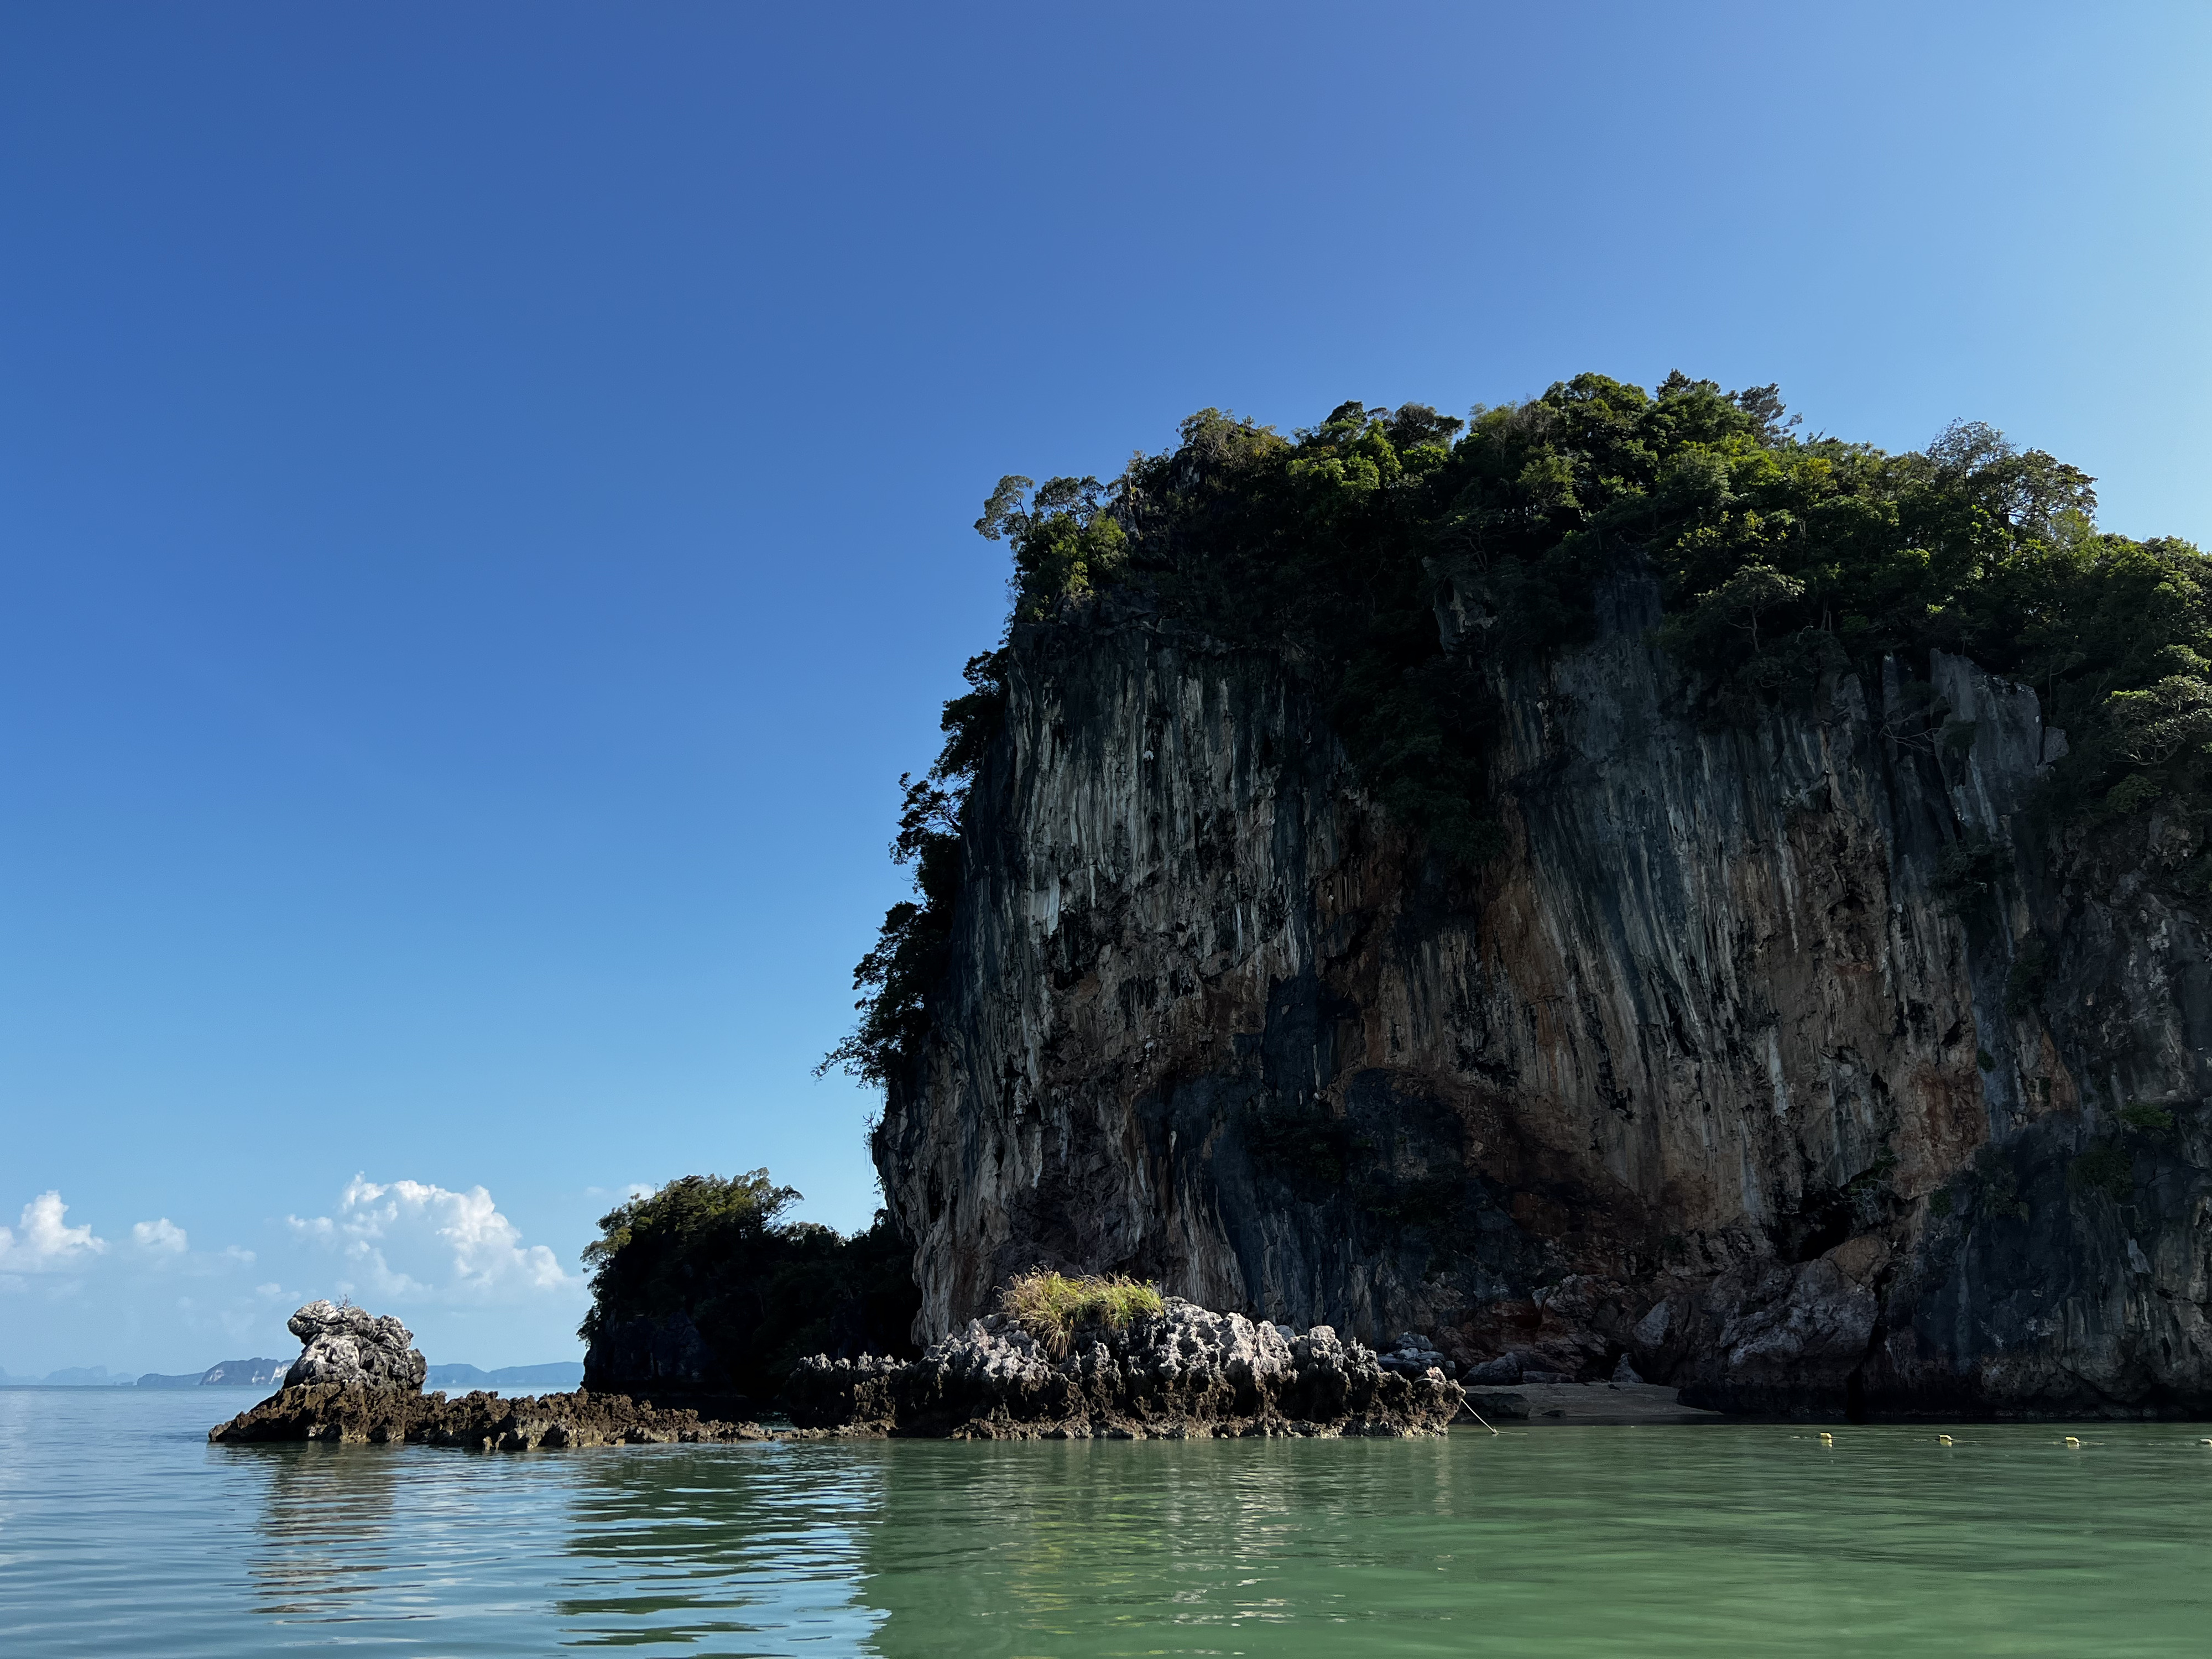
[1739, 1063]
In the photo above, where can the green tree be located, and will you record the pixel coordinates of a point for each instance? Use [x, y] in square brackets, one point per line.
[761, 1291]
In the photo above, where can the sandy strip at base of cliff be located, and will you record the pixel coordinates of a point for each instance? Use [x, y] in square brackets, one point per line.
[1540, 1404]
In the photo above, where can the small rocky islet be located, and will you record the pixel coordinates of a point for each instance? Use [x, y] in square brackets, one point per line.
[1306, 920]
[359, 1379]
[1186, 1372]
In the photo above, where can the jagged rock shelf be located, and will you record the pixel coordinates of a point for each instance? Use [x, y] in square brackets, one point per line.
[480, 1422]
[1186, 1374]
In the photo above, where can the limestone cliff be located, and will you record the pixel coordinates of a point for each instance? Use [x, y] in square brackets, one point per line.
[1788, 1058]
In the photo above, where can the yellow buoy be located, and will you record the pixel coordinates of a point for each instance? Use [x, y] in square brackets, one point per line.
[1943, 1439]
[1827, 1439]
[2073, 1441]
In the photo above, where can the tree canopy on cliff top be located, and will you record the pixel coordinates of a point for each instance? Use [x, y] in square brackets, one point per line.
[1781, 559]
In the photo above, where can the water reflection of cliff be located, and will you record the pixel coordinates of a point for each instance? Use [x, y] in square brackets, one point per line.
[1058, 1546]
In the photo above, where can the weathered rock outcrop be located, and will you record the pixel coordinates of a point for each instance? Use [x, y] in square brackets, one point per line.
[482, 1422]
[351, 1348]
[360, 1379]
[1186, 1373]
[1792, 1061]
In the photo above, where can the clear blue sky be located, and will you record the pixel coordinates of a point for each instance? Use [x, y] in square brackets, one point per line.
[484, 506]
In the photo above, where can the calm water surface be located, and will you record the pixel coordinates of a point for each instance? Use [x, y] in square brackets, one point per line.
[123, 1533]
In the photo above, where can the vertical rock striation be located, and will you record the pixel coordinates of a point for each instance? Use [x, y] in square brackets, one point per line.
[1791, 1061]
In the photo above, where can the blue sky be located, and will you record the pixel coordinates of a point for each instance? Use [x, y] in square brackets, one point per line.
[484, 506]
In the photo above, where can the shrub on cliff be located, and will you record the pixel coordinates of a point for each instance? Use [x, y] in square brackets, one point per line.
[761, 1293]
[1781, 559]
[909, 952]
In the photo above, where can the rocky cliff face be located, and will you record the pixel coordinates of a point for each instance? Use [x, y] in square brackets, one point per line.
[1792, 1061]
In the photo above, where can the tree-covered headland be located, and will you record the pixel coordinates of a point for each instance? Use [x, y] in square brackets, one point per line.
[1781, 559]
[762, 1292]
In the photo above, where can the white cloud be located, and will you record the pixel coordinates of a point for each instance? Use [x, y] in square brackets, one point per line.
[43, 1252]
[44, 1242]
[162, 1237]
[410, 1241]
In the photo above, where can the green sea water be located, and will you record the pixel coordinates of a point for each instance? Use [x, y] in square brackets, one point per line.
[123, 1533]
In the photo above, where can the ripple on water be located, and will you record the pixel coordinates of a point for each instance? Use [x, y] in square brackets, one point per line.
[122, 1532]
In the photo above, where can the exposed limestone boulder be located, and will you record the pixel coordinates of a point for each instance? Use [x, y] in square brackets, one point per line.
[1187, 1372]
[352, 1347]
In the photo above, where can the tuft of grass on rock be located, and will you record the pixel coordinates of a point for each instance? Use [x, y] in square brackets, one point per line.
[1049, 1306]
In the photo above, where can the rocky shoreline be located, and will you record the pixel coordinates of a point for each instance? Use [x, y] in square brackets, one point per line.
[1187, 1373]
[1184, 1373]
[358, 1415]
[359, 1380]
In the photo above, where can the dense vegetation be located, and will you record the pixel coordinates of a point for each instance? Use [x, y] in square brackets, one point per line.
[762, 1291]
[1780, 559]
